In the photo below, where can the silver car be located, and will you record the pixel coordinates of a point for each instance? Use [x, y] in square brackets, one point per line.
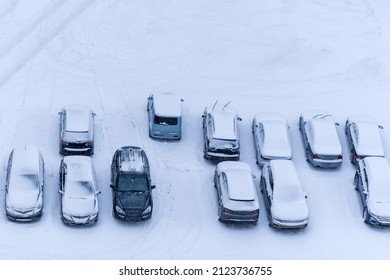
[220, 133]
[76, 130]
[79, 194]
[24, 184]
[364, 137]
[372, 181]
[236, 192]
[320, 139]
[283, 194]
[271, 137]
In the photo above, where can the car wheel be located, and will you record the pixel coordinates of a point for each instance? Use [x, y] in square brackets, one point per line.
[307, 153]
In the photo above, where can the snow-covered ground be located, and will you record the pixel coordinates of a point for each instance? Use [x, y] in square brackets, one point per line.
[282, 56]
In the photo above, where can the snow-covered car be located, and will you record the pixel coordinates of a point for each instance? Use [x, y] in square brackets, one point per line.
[236, 192]
[78, 189]
[76, 130]
[131, 185]
[271, 137]
[284, 197]
[372, 181]
[320, 139]
[24, 184]
[364, 137]
[165, 116]
[220, 133]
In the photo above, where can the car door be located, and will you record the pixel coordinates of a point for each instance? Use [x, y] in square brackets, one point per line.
[150, 111]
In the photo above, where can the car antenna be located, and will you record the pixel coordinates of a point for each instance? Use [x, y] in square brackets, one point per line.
[215, 104]
[226, 105]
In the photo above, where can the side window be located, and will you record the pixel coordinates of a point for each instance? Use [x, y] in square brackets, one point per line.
[355, 133]
[365, 178]
[9, 167]
[271, 179]
[223, 182]
[261, 127]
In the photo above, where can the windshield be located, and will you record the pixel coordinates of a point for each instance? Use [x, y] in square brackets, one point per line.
[132, 183]
[79, 189]
[165, 120]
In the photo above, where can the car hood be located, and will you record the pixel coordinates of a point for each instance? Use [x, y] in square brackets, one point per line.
[380, 209]
[131, 200]
[290, 210]
[79, 206]
[23, 199]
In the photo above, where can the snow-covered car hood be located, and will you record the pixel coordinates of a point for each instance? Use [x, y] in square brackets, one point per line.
[79, 206]
[290, 211]
[380, 209]
[23, 199]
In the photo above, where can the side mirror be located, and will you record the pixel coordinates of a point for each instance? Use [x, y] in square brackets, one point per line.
[337, 124]
[150, 97]
[112, 186]
[381, 127]
[238, 118]
[153, 187]
[182, 100]
[61, 192]
[98, 192]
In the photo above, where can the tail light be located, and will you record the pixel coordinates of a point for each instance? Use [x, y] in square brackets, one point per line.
[315, 156]
[88, 143]
[358, 157]
[340, 157]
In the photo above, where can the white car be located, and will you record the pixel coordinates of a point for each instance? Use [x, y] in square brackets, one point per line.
[372, 181]
[79, 194]
[320, 139]
[271, 137]
[77, 130]
[236, 192]
[284, 197]
[364, 137]
[24, 184]
[221, 133]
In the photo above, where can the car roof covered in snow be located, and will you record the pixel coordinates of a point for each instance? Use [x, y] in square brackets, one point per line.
[239, 179]
[167, 104]
[269, 116]
[317, 114]
[225, 122]
[378, 171]
[77, 117]
[369, 140]
[132, 159]
[79, 168]
[287, 185]
[325, 138]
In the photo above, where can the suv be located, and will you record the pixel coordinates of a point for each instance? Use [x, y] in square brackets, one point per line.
[76, 130]
[221, 134]
[164, 114]
[131, 185]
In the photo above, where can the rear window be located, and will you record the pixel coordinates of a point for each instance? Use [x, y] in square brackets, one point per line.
[165, 120]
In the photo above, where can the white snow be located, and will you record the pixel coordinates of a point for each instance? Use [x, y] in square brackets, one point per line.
[280, 56]
[167, 104]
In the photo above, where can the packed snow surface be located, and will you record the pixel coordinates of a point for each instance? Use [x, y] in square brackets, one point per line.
[276, 56]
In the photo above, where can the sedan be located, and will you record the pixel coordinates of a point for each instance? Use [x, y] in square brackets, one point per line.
[79, 201]
[76, 130]
[24, 184]
[372, 181]
[320, 139]
[271, 137]
[283, 194]
[237, 196]
[364, 137]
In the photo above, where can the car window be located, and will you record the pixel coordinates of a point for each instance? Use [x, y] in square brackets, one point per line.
[271, 179]
[262, 134]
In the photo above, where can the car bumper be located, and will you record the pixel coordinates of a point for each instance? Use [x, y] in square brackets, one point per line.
[20, 217]
[326, 163]
[79, 221]
[279, 224]
[165, 136]
[380, 222]
[76, 151]
[221, 156]
[132, 217]
[238, 218]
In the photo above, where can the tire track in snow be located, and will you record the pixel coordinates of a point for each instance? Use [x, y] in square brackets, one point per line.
[9, 8]
[25, 45]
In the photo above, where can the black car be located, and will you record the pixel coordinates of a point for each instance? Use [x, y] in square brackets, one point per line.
[131, 185]
[76, 130]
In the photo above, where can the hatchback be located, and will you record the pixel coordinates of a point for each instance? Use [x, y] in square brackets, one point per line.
[236, 192]
[364, 137]
[220, 133]
[271, 137]
[76, 130]
[320, 139]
